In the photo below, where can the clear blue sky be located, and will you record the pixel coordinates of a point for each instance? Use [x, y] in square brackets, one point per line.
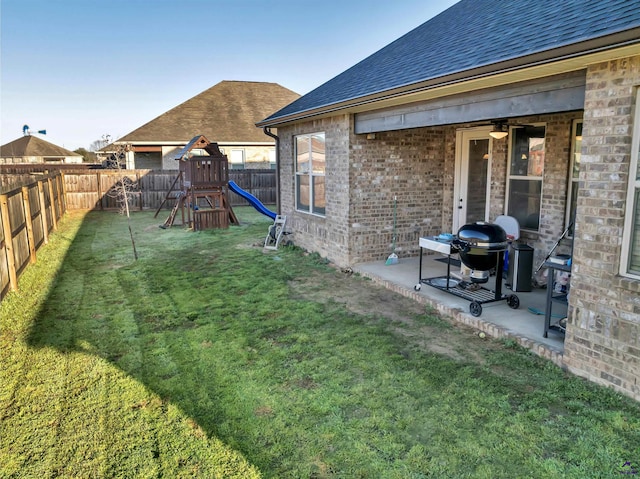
[85, 68]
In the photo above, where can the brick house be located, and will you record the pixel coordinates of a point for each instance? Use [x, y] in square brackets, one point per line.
[226, 113]
[521, 107]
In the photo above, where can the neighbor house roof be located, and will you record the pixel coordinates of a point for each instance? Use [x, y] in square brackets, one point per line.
[226, 112]
[475, 38]
[32, 146]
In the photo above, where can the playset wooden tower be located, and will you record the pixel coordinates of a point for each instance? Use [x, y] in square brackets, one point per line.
[201, 188]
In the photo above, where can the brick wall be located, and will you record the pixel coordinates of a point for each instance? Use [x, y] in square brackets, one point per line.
[417, 167]
[328, 235]
[362, 178]
[603, 336]
[408, 165]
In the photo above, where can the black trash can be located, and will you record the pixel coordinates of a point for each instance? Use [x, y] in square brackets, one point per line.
[520, 267]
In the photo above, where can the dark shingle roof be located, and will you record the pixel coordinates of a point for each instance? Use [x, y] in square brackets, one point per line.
[228, 111]
[33, 146]
[469, 35]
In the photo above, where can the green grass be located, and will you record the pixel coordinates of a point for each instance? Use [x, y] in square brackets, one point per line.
[209, 358]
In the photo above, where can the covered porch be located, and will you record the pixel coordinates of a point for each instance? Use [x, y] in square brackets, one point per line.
[497, 318]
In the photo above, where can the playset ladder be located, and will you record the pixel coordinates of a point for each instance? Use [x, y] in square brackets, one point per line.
[169, 196]
[172, 216]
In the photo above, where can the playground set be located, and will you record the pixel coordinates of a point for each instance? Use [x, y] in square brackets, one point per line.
[200, 191]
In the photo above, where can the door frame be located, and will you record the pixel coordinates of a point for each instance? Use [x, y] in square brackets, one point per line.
[460, 181]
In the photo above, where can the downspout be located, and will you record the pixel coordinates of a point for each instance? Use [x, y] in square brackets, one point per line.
[267, 131]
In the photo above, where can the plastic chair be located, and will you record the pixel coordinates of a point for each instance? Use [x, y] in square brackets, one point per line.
[510, 226]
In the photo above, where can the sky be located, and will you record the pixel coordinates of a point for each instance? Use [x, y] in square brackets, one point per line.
[84, 69]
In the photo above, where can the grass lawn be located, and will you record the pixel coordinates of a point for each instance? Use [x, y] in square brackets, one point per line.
[210, 358]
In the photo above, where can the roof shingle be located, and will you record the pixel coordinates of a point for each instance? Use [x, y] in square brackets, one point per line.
[226, 112]
[469, 35]
[32, 146]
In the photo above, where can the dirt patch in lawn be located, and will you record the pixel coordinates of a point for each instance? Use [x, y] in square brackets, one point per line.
[417, 324]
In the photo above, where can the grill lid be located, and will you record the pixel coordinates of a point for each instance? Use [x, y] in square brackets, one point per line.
[486, 236]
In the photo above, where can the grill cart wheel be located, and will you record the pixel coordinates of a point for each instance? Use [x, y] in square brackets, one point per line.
[513, 301]
[475, 308]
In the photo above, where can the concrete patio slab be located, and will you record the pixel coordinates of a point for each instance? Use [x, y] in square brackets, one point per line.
[497, 318]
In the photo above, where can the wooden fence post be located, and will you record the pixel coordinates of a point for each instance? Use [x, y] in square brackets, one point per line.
[63, 189]
[140, 194]
[8, 242]
[43, 212]
[99, 180]
[27, 216]
[53, 205]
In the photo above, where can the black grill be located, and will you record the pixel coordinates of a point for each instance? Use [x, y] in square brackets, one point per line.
[479, 244]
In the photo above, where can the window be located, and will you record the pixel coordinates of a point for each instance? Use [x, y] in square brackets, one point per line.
[525, 175]
[310, 169]
[272, 158]
[576, 147]
[630, 264]
[237, 159]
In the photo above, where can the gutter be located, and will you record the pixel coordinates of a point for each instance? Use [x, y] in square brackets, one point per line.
[267, 131]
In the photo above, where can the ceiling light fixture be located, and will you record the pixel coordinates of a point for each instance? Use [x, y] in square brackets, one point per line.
[498, 131]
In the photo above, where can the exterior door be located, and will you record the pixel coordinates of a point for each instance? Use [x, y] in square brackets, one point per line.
[473, 177]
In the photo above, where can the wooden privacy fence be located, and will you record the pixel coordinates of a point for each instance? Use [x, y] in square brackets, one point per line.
[32, 202]
[27, 214]
[89, 189]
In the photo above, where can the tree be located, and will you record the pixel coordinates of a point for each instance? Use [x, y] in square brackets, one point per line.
[123, 186]
[87, 156]
[101, 143]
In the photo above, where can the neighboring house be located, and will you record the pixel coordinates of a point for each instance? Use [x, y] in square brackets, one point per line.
[557, 83]
[225, 113]
[31, 149]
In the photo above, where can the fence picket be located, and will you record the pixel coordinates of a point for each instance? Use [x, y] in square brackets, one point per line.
[27, 217]
[8, 242]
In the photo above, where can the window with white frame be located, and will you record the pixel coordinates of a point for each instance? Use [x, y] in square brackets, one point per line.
[526, 167]
[310, 173]
[272, 158]
[630, 264]
[237, 159]
[574, 173]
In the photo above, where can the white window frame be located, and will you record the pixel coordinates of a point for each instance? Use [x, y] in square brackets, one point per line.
[272, 158]
[311, 174]
[633, 191]
[234, 164]
[575, 151]
[525, 177]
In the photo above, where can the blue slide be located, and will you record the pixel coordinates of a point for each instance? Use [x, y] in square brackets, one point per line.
[255, 202]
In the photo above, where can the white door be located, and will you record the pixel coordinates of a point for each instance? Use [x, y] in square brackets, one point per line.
[473, 177]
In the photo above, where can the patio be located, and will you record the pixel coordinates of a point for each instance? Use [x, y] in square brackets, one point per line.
[497, 318]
